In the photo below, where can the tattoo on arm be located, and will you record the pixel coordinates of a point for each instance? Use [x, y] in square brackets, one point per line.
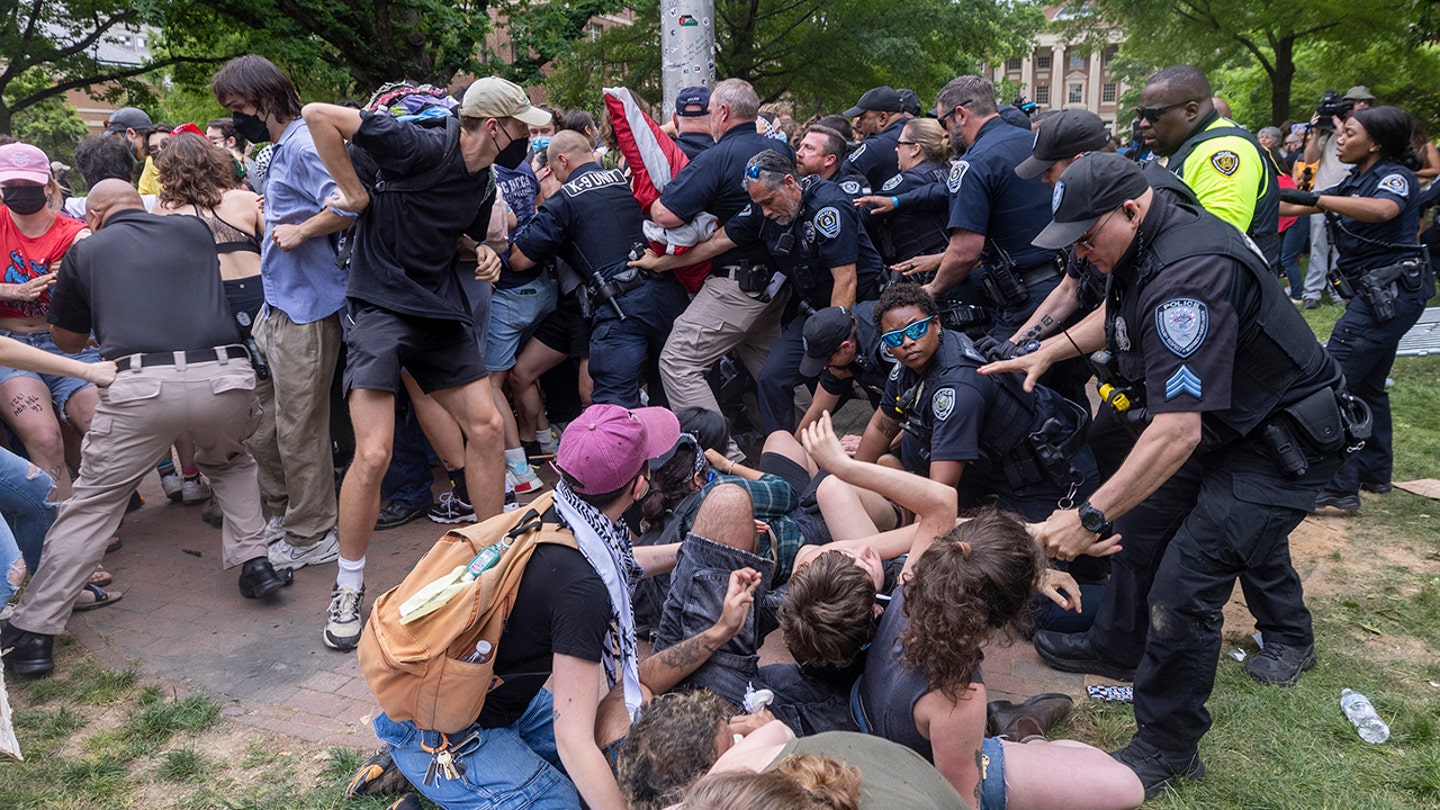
[980, 763]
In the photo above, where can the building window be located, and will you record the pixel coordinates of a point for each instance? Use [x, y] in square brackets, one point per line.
[1077, 94]
[1107, 93]
[1042, 62]
[1108, 55]
[1042, 94]
[1077, 62]
[594, 30]
[1012, 64]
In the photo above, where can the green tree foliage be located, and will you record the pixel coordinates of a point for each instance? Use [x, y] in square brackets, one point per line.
[1221, 35]
[821, 54]
[50, 124]
[540, 32]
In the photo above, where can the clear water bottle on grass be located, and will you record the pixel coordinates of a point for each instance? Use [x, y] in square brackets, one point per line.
[1357, 707]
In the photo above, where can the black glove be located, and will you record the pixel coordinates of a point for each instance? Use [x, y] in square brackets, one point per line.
[1297, 197]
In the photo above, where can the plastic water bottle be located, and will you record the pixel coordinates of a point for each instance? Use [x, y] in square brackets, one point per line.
[1357, 707]
[483, 651]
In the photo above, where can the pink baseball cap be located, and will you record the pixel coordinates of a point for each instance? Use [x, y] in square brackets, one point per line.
[21, 161]
[607, 445]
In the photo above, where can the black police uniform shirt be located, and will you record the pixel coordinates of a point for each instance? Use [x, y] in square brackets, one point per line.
[404, 256]
[693, 143]
[870, 369]
[519, 186]
[591, 223]
[826, 233]
[1386, 180]
[875, 156]
[952, 404]
[713, 182]
[144, 283]
[987, 197]
[910, 231]
[851, 180]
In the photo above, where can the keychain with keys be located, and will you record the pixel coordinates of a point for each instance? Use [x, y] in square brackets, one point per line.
[442, 763]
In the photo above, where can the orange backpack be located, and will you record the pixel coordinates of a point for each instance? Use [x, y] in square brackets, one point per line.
[418, 670]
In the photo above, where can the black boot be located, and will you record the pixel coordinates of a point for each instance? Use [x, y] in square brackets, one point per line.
[258, 579]
[27, 653]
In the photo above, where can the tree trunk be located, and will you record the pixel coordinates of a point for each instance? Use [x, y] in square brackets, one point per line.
[1282, 79]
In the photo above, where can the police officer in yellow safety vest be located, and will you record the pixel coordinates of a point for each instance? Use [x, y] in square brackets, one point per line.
[1221, 161]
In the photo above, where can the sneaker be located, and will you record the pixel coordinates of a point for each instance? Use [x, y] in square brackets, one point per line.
[194, 491]
[451, 509]
[378, 776]
[523, 481]
[549, 441]
[324, 550]
[1312, 303]
[345, 619]
[511, 502]
[396, 514]
[1156, 769]
[1344, 503]
[274, 530]
[173, 485]
[136, 501]
[1280, 664]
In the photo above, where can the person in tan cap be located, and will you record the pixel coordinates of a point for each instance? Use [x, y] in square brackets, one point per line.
[1361, 95]
[430, 187]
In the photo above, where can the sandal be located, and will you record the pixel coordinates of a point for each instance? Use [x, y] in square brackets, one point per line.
[100, 598]
[114, 544]
[101, 577]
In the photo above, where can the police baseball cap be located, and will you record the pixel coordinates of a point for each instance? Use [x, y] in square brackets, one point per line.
[1064, 135]
[878, 99]
[1088, 190]
[909, 101]
[1359, 93]
[494, 97]
[129, 118]
[824, 332]
[693, 96]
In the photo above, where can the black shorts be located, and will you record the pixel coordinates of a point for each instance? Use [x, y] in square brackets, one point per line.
[438, 353]
[565, 330]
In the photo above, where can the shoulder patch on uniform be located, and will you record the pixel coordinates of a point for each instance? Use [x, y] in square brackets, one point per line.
[851, 187]
[745, 212]
[854, 156]
[893, 182]
[895, 369]
[943, 403]
[1056, 196]
[1396, 184]
[1182, 324]
[1225, 162]
[827, 222]
[957, 173]
[1183, 381]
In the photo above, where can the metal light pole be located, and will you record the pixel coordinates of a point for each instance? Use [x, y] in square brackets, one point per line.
[687, 36]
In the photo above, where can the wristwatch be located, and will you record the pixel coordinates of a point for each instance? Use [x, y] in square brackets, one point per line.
[1093, 519]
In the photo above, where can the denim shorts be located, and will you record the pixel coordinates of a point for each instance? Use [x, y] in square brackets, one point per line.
[516, 767]
[515, 314]
[61, 388]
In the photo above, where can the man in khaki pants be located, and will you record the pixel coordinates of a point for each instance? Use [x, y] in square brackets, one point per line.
[149, 288]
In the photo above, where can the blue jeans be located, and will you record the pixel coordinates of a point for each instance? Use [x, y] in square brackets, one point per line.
[27, 516]
[512, 768]
[1365, 351]
[621, 352]
[1292, 244]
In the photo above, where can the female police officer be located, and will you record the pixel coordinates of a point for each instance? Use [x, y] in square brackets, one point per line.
[1028, 446]
[1373, 215]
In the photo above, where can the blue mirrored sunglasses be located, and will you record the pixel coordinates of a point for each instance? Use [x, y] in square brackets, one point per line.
[914, 331]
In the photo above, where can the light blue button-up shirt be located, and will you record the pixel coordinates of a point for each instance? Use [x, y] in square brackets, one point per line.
[304, 283]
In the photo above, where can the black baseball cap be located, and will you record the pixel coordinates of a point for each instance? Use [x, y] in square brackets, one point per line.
[879, 99]
[129, 118]
[824, 332]
[691, 96]
[909, 101]
[1061, 136]
[1088, 190]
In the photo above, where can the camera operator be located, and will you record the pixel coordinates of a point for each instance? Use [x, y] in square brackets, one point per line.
[1373, 215]
[1320, 145]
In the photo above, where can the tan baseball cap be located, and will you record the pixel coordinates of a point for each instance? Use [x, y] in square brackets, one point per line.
[493, 97]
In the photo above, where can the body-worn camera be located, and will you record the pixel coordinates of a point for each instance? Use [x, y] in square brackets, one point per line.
[1332, 107]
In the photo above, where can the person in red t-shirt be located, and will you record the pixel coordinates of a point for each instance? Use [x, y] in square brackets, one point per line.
[34, 240]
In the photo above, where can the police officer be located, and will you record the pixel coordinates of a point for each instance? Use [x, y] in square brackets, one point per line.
[594, 223]
[1230, 372]
[879, 116]
[811, 230]
[692, 121]
[821, 153]
[993, 213]
[842, 348]
[989, 433]
[1373, 215]
[921, 155]
[1219, 159]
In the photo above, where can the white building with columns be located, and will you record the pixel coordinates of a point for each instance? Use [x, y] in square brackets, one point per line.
[1059, 76]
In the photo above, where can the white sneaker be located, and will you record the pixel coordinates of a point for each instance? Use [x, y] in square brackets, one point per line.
[194, 490]
[345, 619]
[173, 485]
[326, 549]
[274, 529]
[524, 481]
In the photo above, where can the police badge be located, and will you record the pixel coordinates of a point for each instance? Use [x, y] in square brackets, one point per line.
[851, 187]
[827, 222]
[1225, 162]
[943, 403]
[956, 175]
[1182, 323]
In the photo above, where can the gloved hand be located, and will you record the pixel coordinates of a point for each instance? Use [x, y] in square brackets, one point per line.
[1297, 197]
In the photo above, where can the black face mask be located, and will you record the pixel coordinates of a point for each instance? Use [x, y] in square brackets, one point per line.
[514, 153]
[250, 127]
[25, 200]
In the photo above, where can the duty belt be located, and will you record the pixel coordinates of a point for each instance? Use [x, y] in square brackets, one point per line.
[217, 354]
[1045, 272]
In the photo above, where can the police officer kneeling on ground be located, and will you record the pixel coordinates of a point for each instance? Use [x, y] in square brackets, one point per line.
[1229, 370]
[594, 223]
[149, 288]
[842, 348]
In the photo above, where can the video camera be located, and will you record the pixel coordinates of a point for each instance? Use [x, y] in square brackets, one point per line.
[1027, 107]
[1332, 106]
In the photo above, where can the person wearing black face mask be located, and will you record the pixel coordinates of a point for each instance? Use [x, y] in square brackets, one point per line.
[404, 307]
